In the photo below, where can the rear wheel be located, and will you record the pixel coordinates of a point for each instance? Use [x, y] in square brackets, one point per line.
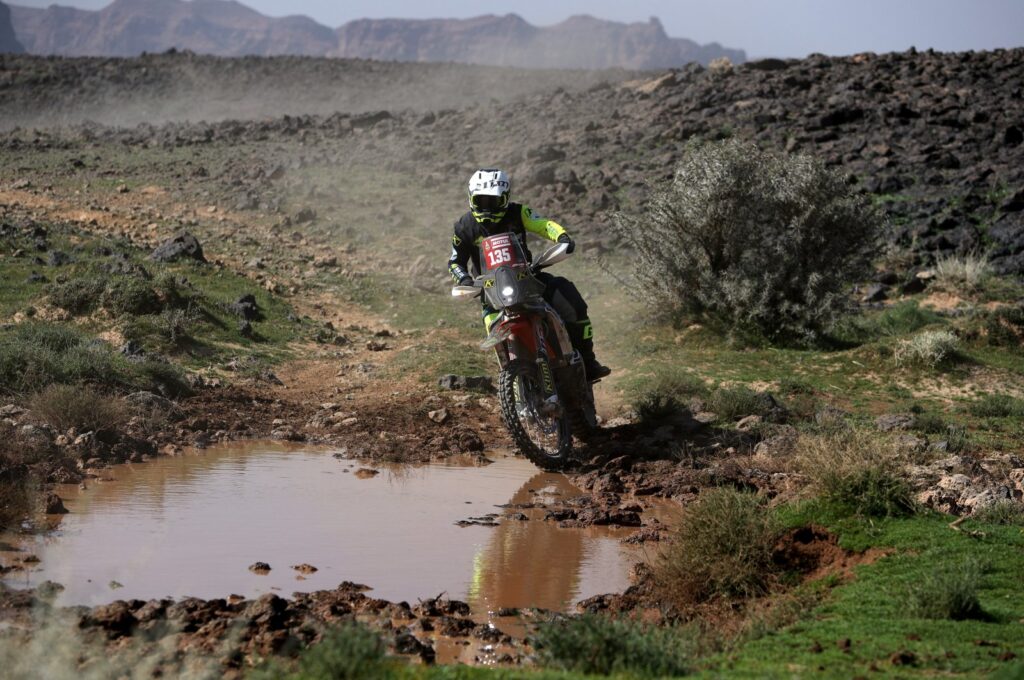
[538, 425]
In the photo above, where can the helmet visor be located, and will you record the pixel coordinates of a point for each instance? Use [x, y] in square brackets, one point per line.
[484, 203]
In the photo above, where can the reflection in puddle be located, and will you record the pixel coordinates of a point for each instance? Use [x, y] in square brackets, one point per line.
[192, 525]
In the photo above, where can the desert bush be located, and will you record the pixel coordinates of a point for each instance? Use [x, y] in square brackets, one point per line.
[948, 592]
[1004, 327]
[721, 547]
[34, 355]
[349, 652]
[1005, 512]
[599, 645]
[962, 273]
[665, 395]
[928, 348]
[737, 401]
[997, 406]
[131, 295]
[78, 406]
[78, 295]
[755, 241]
[930, 423]
[855, 471]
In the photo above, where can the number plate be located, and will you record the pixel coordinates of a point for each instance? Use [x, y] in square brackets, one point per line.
[499, 251]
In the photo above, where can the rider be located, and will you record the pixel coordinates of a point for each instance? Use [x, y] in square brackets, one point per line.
[491, 213]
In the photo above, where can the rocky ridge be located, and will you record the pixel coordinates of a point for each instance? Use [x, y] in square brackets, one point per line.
[131, 27]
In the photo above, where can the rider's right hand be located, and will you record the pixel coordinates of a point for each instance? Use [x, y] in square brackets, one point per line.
[466, 281]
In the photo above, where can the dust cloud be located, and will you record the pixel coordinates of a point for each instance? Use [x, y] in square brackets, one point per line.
[183, 87]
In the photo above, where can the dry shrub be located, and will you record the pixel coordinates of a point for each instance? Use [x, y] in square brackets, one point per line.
[79, 407]
[760, 243]
[929, 349]
[962, 273]
[855, 470]
[722, 547]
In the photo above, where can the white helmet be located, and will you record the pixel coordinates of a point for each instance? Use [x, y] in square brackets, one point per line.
[489, 191]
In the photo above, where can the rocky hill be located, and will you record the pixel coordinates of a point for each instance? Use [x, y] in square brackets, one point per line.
[228, 28]
[577, 42]
[9, 43]
[936, 138]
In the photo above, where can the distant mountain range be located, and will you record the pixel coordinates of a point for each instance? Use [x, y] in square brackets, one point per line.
[9, 43]
[228, 28]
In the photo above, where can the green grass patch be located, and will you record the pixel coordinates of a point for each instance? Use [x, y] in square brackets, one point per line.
[872, 612]
[997, 406]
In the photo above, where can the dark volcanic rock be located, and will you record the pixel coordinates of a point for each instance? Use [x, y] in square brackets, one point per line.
[463, 382]
[182, 245]
[245, 307]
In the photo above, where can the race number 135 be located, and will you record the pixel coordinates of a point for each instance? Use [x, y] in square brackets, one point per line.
[499, 256]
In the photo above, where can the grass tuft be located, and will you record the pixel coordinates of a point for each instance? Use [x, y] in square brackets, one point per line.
[350, 652]
[962, 273]
[721, 547]
[949, 592]
[598, 645]
[928, 348]
[854, 470]
[665, 396]
[1005, 512]
[997, 406]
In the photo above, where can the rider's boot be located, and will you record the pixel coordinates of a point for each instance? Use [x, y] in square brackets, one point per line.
[581, 334]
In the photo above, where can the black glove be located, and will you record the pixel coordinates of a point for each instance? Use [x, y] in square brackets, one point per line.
[466, 281]
[565, 238]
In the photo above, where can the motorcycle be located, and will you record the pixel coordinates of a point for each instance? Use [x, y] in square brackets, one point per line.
[543, 389]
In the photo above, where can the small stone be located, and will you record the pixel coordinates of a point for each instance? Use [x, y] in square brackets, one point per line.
[894, 421]
[748, 423]
[304, 568]
[259, 568]
[53, 505]
[439, 416]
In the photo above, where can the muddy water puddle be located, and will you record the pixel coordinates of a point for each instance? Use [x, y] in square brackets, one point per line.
[192, 525]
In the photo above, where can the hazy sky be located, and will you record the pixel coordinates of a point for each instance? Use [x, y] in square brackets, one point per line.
[789, 28]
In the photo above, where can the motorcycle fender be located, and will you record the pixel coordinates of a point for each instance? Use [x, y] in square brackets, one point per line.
[524, 334]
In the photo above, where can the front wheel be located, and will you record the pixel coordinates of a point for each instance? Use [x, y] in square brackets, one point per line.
[538, 425]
